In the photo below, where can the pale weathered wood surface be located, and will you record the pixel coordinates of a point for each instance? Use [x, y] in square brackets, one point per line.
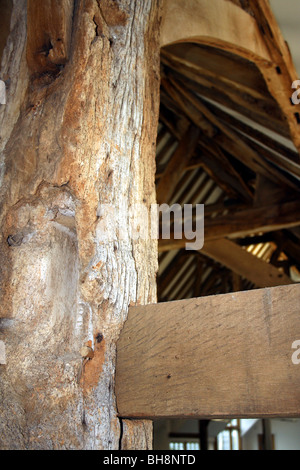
[219, 356]
[78, 132]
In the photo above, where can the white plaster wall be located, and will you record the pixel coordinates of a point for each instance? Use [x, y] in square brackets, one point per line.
[286, 433]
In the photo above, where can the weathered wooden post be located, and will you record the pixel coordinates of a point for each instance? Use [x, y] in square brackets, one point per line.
[78, 132]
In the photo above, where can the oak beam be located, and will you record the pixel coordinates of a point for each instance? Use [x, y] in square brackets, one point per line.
[225, 356]
[240, 261]
[242, 223]
[288, 155]
[226, 137]
[252, 100]
[283, 73]
[220, 169]
[273, 123]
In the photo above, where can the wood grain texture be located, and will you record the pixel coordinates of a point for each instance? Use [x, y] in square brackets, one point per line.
[71, 141]
[212, 357]
[137, 435]
[5, 9]
[241, 262]
[49, 28]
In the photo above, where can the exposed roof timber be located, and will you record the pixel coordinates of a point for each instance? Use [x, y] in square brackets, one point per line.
[274, 123]
[179, 160]
[225, 136]
[211, 22]
[228, 91]
[240, 100]
[290, 168]
[287, 14]
[279, 83]
[199, 23]
[237, 259]
[273, 38]
[219, 167]
[250, 130]
[240, 223]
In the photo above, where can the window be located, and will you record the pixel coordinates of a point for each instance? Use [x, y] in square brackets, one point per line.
[229, 439]
[184, 445]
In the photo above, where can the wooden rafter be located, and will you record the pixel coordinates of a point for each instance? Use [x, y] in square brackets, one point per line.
[240, 101]
[226, 137]
[279, 83]
[249, 130]
[240, 261]
[234, 95]
[219, 167]
[242, 223]
[178, 161]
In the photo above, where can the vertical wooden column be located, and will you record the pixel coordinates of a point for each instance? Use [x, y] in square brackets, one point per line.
[267, 443]
[78, 132]
[203, 433]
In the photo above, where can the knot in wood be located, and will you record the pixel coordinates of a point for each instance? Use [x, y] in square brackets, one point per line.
[87, 352]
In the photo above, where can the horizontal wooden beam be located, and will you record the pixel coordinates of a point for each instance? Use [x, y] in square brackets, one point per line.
[242, 223]
[225, 356]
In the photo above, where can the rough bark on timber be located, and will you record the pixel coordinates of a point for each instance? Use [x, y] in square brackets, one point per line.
[78, 131]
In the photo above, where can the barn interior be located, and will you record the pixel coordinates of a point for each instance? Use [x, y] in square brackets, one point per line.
[224, 141]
